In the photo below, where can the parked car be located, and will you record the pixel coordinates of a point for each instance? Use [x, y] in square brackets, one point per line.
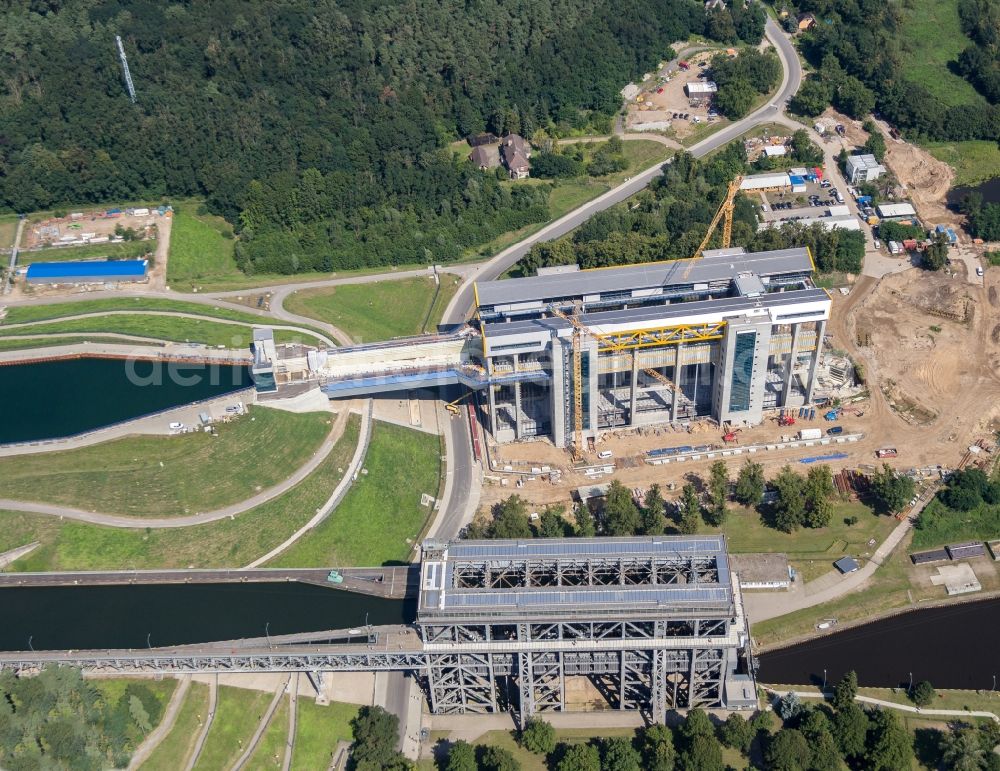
[877, 243]
[979, 271]
[176, 426]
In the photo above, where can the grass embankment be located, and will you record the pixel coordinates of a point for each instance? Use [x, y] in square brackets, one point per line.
[8, 344]
[974, 701]
[171, 475]
[812, 551]
[173, 752]
[569, 194]
[381, 517]
[932, 38]
[379, 311]
[68, 545]
[127, 250]
[317, 731]
[160, 327]
[270, 752]
[23, 314]
[974, 161]
[940, 525]
[237, 715]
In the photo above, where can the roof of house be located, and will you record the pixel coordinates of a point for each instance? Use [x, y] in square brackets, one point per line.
[514, 158]
[484, 155]
[87, 268]
[516, 141]
[846, 565]
[863, 161]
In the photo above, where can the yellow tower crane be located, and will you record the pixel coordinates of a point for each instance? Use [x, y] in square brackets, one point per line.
[579, 330]
[724, 213]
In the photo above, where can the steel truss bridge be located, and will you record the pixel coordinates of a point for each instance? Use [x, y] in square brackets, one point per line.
[652, 624]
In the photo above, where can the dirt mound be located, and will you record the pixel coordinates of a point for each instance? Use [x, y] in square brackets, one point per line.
[993, 296]
[925, 178]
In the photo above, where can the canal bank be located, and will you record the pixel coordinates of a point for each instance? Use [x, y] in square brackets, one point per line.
[55, 399]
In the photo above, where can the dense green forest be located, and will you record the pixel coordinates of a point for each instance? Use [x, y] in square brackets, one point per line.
[58, 720]
[857, 50]
[318, 128]
[668, 220]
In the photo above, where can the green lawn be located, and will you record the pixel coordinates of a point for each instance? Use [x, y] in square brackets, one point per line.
[237, 715]
[946, 699]
[68, 545]
[161, 327]
[199, 250]
[379, 311]
[47, 342]
[932, 37]
[8, 229]
[317, 731]
[270, 752]
[381, 517]
[22, 314]
[113, 688]
[124, 251]
[973, 161]
[171, 475]
[173, 751]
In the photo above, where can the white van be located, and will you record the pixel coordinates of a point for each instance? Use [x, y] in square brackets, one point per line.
[605, 454]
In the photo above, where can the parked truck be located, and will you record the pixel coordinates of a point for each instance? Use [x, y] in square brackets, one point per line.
[886, 452]
[810, 433]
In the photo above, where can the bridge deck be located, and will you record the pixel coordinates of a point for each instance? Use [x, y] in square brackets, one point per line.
[389, 582]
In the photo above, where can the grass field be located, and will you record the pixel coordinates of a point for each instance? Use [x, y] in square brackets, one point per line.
[22, 314]
[171, 475]
[47, 342]
[974, 161]
[379, 311]
[318, 730]
[270, 752]
[160, 327]
[199, 250]
[940, 525]
[381, 516]
[236, 717]
[68, 545]
[123, 251]
[932, 37]
[171, 753]
[8, 229]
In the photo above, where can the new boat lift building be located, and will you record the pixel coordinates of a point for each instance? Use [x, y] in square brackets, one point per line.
[725, 337]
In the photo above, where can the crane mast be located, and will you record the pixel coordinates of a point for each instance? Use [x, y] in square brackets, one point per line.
[125, 70]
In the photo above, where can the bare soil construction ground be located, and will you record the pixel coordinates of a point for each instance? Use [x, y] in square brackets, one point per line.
[931, 354]
[659, 107]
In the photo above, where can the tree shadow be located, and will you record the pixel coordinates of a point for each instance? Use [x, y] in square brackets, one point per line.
[927, 746]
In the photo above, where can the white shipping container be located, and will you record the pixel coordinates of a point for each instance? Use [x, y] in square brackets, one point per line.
[140, 212]
[811, 433]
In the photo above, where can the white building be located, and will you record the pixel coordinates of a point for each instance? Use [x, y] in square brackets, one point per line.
[863, 168]
[701, 89]
[893, 210]
[775, 151]
[778, 181]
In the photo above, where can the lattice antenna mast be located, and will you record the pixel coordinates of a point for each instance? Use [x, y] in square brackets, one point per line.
[124, 61]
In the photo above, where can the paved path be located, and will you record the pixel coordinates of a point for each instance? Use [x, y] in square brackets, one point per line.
[152, 741]
[262, 726]
[893, 705]
[113, 520]
[213, 702]
[350, 474]
[293, 709]
[13, 257]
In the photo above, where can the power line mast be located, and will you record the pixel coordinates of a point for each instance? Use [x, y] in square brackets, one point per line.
[128, 75]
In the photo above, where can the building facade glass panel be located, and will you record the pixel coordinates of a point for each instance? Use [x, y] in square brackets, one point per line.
[739, 391]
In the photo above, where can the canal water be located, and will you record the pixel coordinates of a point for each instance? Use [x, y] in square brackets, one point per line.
[989, 190]
[955, 646]
[65, 618]
[61, 398]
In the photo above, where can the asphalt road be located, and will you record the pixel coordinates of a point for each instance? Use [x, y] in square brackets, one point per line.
[461, 466]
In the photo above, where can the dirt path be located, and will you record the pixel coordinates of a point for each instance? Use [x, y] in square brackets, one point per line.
[213, 702]
[152, 741]
[293, 709]
[262, 726]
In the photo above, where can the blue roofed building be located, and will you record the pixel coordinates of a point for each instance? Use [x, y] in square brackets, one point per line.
[87, 272]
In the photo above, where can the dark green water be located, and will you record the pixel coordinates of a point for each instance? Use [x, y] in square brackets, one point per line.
[93, 617]
[62, 398]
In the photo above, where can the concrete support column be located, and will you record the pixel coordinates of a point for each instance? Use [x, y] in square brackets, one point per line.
[634, 391]
[493, 410]
[558, 395]
[790, 368]
[518, 414]
[677, 383]
[814, 362]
